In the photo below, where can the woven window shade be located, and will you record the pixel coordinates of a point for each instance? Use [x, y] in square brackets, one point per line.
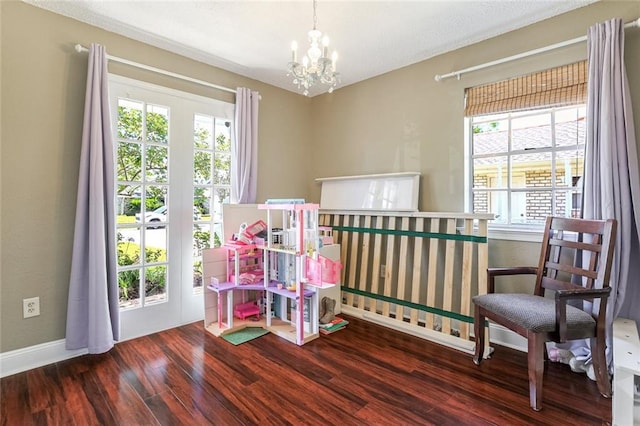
[555, 87]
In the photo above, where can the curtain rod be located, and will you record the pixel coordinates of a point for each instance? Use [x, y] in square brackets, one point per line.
[457, 74]
[79, 48]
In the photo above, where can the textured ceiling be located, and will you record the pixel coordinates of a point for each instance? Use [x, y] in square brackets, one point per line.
[253, 38]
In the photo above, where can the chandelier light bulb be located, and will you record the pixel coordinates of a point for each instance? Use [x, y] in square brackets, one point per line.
[325, 46]
[316, 67]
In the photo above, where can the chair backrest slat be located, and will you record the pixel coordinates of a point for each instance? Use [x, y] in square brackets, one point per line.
[578, 245]
[552, 284]
[571, 270]
[571, 253]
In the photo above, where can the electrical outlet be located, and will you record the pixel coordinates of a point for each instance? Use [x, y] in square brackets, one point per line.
[383, 270]
[31, 307]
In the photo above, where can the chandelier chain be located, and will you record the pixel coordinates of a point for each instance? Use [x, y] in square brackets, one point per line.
[315, 16]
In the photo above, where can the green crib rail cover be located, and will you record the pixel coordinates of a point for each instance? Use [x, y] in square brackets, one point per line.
[407, 233]
[448, 314]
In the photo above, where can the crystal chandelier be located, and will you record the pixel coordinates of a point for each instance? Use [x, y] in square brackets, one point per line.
[316, 67]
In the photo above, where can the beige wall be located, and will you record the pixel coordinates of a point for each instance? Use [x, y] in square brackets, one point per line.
[400, 121]
[43, 83]
[406, 121]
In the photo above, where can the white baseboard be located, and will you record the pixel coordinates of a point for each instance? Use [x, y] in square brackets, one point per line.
[505, 337]
[497, 333]
[24, 359]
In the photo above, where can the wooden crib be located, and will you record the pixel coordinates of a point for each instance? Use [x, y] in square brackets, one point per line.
[414, 272]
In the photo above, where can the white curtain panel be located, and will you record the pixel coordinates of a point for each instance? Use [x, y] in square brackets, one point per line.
[611, 177]
[93, 311]
[244, 148]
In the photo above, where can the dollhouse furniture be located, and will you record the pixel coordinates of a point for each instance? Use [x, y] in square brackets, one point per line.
[247, 309]
[290, 268]
[287, 262]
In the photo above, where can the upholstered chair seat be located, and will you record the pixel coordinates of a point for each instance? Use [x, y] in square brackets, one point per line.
[534, 313]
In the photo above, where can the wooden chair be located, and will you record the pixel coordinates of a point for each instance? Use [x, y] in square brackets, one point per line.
[543, 319]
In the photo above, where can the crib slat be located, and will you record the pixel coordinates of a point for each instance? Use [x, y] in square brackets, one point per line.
[465, 288]
[364, 264]
[375, 268]
[417, 271]
[353, 261]
[389, 266]
[433, 272]
[343, 239]
[448, 276]
[402, 268]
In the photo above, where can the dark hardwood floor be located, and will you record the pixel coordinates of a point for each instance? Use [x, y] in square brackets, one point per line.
[363, 375]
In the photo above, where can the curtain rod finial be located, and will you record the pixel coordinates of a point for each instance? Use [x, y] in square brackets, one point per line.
[79, 48]
[437, 77]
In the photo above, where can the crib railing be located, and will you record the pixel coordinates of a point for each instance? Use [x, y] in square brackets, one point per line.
[414, 272]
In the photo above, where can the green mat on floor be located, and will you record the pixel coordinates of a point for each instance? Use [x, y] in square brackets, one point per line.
[244, 335]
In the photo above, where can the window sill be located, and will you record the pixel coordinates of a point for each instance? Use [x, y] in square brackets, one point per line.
[533, 235]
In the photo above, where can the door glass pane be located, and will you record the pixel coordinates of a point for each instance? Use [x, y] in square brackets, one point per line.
[156, 208]
[129, 287]
[157, 124]
[157, 164]
[128, 203]
[222, 196]
[223, 135]
[129, 162]
[130, 119]
[128, 246]
[222, 169]
[201, 241]
[203, 131]
[155, 242]
[202, 167]
[155, 284]
[202, 204]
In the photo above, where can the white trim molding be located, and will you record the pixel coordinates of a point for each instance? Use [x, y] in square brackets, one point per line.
[24, 359]
[504, 337]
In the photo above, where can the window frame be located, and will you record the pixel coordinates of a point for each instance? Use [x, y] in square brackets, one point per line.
[515, 231]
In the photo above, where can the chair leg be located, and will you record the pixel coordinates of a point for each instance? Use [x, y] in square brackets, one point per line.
[600, 369]
[535, 361]
[478, 329]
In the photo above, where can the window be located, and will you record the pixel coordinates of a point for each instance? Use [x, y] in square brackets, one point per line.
[525, 141]
[527, 166]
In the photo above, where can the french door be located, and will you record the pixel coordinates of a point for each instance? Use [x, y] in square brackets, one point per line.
[173, 166]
